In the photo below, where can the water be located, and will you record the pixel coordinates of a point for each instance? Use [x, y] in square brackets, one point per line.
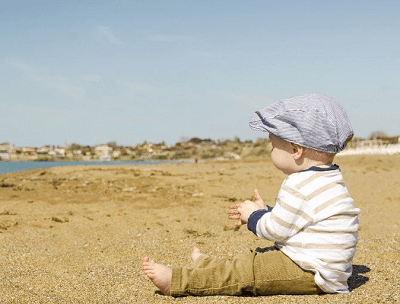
[8, 167]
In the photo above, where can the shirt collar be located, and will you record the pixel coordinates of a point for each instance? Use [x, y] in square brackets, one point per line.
[313, 168]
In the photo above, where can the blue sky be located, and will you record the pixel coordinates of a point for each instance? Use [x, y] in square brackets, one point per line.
[90, 72]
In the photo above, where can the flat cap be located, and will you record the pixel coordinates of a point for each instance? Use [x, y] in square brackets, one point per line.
[312, 120]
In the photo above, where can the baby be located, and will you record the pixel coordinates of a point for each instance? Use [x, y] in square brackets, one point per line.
[314, 223]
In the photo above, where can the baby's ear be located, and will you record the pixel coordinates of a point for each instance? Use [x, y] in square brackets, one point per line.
[297, 151]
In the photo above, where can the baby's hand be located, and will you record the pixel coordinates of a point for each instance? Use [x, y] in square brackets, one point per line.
[244, 210]
[233, 213]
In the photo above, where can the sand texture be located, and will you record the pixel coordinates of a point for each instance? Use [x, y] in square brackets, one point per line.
[79, 234]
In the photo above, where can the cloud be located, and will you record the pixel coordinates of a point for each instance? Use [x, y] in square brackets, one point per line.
[106, 32]
[53, 82]
[171, 38]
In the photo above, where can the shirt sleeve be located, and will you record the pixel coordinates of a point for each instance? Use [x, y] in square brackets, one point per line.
[291, 214]
[254, 218]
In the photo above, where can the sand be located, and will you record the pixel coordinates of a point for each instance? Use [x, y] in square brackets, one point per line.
[79, 234]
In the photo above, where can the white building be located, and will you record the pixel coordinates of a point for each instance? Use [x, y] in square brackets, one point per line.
[103, 152]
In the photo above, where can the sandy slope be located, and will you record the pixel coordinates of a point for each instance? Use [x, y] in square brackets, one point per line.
[78, 234]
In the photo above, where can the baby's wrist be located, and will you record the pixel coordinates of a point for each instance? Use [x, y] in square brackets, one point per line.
[254, 218]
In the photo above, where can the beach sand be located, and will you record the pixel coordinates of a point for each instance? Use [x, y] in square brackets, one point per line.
[79, 234]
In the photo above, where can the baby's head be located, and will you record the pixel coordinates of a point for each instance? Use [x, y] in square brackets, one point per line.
[314, 125]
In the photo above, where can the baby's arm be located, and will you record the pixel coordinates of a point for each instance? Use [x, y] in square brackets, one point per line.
[243, 211]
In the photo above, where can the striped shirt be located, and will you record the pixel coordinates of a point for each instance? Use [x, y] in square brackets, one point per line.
[314, 222]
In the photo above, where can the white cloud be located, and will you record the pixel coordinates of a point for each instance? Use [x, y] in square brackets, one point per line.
[106, 32]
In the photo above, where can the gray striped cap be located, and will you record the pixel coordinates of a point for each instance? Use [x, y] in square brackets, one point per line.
[311, 120]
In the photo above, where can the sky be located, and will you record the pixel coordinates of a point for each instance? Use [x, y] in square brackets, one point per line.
[129, 71]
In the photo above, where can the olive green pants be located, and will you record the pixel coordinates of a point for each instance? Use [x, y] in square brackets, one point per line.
[263, 272]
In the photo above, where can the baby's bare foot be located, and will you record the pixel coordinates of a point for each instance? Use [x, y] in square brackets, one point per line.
[159, 274]
[195, 254]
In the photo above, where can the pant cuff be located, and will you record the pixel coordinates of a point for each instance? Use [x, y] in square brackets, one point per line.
[175, 286]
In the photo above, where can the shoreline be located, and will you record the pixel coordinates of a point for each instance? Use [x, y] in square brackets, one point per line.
[17, 166]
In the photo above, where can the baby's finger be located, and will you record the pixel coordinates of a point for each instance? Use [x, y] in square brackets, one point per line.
[233, 213]
[259, 200]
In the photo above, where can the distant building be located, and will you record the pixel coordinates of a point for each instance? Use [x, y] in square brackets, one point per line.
[44, 150]
[116, 153]
[5, 150]
[60, 152]
[103, 152]
[394, 139]
[4, 155]
[29, 151]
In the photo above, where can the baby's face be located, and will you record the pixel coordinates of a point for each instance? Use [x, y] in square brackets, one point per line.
[281, 155]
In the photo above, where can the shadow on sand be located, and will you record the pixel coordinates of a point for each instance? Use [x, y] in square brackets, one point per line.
[356, 279]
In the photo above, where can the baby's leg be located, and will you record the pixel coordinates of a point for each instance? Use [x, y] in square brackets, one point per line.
[201, 260]
[214, 276]
[275, 273]
[159, 274]
[267, 273]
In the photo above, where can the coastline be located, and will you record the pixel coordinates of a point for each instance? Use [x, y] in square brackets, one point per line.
[15, 166]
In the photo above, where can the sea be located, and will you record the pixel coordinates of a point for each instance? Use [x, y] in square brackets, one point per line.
[13, 166]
